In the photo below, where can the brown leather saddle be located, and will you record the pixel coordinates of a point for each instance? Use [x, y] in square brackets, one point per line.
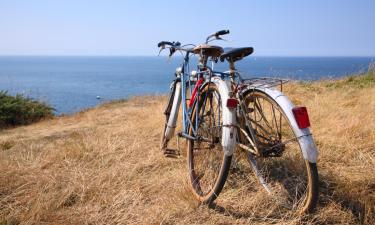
[212, 51]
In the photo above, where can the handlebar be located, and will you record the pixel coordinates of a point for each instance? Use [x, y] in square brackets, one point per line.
[216, 35]
[222, 32]
[172, 44]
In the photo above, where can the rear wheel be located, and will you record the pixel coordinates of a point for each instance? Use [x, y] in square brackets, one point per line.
[280, 168]
[208, 165]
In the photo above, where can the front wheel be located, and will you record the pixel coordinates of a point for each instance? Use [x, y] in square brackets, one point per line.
[208, 165]
[280, 166]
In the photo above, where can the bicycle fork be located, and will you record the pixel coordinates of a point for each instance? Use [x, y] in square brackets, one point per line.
[172, 120]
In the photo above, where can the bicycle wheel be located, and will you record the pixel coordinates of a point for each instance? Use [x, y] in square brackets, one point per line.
[208, 165]
[280, 168]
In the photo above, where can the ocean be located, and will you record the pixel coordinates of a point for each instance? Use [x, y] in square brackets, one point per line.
[72, 83]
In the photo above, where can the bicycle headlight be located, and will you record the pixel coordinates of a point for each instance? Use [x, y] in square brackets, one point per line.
[193, 73]
[178, 70]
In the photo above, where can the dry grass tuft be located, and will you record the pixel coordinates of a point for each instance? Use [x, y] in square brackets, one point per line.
[103, 166]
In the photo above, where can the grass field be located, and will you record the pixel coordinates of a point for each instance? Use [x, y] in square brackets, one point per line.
[104, 166]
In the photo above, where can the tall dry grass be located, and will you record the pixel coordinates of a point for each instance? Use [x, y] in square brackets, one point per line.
[103, 166]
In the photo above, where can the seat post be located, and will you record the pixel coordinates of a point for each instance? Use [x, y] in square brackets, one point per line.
[232, 69]
[203, 61]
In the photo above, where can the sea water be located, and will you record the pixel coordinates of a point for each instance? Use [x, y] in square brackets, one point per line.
[72, 83]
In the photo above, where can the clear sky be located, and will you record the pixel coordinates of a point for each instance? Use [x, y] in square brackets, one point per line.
[124, 27]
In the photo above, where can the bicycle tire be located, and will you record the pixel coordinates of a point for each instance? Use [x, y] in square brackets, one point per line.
[303, 201]
[198, 157]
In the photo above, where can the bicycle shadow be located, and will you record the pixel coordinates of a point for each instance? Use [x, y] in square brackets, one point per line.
[231, 212]
[331, 191]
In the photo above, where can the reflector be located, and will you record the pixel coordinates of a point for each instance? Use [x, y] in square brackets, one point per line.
[301, 116]
[232, 103]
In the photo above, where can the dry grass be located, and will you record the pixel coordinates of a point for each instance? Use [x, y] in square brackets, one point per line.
[103, 166]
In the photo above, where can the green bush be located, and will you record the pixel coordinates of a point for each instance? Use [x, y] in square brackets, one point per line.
[21, 110]
[357, 81]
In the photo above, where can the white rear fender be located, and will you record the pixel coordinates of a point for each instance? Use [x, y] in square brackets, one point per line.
[229, 131]
[304, 136]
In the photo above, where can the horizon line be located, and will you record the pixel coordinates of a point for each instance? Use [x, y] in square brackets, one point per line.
[135, 55]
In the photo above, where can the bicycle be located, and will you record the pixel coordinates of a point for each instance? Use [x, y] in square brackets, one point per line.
[226, 111]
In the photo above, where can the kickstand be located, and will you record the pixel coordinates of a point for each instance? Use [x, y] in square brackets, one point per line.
[178, 144]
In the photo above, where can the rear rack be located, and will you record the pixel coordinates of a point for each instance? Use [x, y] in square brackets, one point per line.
[265, 82]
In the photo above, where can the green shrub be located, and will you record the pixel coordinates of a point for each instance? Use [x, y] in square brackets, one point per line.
[357, 81]
[21, 110]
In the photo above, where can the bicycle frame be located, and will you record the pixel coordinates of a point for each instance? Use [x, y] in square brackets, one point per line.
[185, 85]
[193, 85]
[182, 84]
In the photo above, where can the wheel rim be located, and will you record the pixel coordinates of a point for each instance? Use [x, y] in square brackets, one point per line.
[281, 166]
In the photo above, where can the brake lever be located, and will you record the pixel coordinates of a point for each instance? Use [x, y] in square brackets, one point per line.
[172, 50]
[209, 37]
[169, 58]
[161, 49]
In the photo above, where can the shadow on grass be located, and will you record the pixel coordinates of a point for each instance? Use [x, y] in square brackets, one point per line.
[331, 188]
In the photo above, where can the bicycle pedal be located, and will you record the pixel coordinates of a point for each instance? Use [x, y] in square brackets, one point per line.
[171, 153]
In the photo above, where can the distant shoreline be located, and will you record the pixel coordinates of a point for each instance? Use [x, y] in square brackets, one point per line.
[155, 55]
[72, 83]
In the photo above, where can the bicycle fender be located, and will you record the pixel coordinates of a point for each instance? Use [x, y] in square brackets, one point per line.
[171, 124]
[309, 150]
[229, 131]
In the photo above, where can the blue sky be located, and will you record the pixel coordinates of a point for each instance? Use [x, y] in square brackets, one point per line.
[273, 27]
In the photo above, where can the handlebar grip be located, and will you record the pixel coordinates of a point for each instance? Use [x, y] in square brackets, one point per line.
[222, 32]
[164, 43]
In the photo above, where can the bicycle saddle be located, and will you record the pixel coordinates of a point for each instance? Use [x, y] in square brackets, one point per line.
[234, 54]
[208, 50]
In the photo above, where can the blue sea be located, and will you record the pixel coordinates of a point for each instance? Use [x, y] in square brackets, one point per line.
[73, 83]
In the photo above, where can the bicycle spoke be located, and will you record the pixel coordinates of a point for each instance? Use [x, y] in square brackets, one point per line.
[257, 125]
[262, 115]
[280, 168]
